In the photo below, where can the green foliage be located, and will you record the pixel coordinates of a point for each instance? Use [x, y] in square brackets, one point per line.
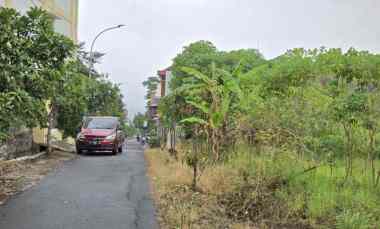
[129, 129]
[306, 108]
[31, 61]
[353, 220]
[246, 58]
[151, 84]
[198, 55]
[154, 141]
[194, 120]
[40, 67]
[139, 120]
[316, 194]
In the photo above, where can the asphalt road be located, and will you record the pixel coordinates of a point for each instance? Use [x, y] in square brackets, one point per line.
[92, 192]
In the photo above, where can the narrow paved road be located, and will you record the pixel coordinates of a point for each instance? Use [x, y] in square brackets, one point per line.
[92, 192]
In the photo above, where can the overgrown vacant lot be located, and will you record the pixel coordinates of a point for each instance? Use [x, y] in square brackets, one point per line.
[297, 137]
[261, 191]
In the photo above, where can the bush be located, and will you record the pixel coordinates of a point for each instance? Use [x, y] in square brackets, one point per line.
[154, 141]
[313, 194]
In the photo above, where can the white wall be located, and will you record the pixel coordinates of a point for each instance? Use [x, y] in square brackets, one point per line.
[167, 83]
[22, 5]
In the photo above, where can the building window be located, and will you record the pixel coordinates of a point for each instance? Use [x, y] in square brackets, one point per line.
[62, 26]
[64, 5]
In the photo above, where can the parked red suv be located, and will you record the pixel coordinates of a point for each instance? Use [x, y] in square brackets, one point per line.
[100, 134]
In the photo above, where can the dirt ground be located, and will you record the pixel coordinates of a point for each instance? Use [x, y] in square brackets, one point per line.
[16, 177]
[224, 197]
[178, 206]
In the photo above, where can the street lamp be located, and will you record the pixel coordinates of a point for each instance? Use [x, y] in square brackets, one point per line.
[93, 42]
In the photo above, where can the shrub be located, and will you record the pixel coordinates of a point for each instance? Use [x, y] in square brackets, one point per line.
[154, 141]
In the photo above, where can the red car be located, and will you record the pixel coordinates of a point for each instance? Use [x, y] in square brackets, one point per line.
[100, 134]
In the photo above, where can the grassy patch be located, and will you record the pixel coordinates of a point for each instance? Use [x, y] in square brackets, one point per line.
[179, 206]
[316, 193]
[274, 190]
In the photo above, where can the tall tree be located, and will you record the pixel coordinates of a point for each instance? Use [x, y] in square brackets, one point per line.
[32, 58]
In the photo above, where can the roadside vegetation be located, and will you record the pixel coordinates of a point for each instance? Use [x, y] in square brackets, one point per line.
[44, 77]
[291, 142]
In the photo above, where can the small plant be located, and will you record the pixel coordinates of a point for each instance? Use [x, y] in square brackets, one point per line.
[197, 160]
[154, 141]
[353, 220]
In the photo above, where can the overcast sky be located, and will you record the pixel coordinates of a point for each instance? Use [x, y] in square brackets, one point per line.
[158, 29]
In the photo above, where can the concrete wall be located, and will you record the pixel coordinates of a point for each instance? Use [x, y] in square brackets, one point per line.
[20, 145]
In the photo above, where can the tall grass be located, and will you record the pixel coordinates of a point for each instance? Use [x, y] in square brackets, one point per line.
[322, 193]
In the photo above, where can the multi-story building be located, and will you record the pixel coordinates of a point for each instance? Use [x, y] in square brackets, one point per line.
[65, 13]
[165, 76]
[161, 91]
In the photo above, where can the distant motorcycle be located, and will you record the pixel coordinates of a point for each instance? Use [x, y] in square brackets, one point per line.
[143, 140]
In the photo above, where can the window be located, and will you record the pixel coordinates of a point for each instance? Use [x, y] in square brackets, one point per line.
[64, 5]
[62, 26]
[101, 123]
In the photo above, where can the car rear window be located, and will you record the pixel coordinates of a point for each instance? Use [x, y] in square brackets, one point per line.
[100, 123]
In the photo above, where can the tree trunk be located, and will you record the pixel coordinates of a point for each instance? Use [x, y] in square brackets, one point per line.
[175, 142]
[215, 143]
[51, 116]
[194, 164]
[377, 179]
[195, 174]
[349, 154]
[371, 155]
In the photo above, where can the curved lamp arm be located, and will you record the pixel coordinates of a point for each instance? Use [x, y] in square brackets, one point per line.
[96, 37]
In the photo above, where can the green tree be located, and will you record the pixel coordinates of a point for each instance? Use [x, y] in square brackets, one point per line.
[83, 96]
[213, 99]
[198, 55]
[151, 85]
[32, 58]
[138, 121]
[40, 67]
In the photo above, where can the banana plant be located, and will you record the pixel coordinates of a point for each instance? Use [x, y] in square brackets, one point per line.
[212, 99]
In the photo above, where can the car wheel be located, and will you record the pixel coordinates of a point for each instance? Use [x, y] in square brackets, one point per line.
[114, 151]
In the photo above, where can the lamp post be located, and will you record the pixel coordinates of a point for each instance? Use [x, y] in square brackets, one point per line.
[93, 43]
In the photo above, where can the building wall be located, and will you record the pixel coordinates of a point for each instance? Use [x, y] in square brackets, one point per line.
[165, 76]
[168, 77]
[20, 145]
[65, 13]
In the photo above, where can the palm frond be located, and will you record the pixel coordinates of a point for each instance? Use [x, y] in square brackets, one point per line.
[197, 74]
